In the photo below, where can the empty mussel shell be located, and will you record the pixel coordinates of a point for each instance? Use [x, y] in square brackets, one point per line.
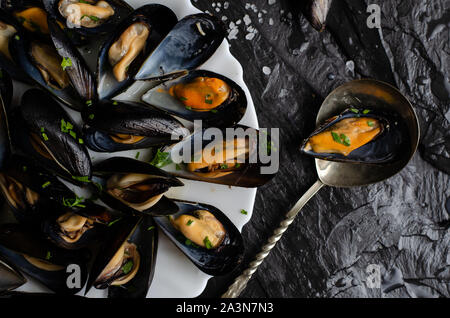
[202, 95]
[240, 156]
[135, 187]
[205, 235]
[89, 17]
[359, 135]
[125, 49]
[116, 126]
[191, 42]
[126, 259]
[44, 131]
[38, 258]
[10, 278]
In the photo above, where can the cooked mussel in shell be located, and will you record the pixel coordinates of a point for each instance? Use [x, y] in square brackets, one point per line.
[116, 126]
[359, 135]
[40, 259]
[44, 131]
[134, 186]
[90, 17]
[127, 259]
[126, 48]
[192, 41]
[205, 235]
[232, 160]
[199, 94]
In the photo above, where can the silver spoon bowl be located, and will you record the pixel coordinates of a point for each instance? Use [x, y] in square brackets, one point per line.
[365, 93]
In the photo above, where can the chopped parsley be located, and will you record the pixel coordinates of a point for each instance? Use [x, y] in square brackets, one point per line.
[66, 62]
[208, 101]
[237, 165]
[80, 141]
[150, 228]
[137, 155]
[213, 111]
[48, 256]
[91, 116]
[115, 103]
[161, 159]
[370, 123]
[74, 202]
[366, 111]
[17, 37]
[73, 134]
[223, 166]
[183, 98]
[189, 222]
[89, 102]
[127, 267]
[113, 222]
[354, 110]
[24, 168]
[188, 107]
[81, 178]
[44, 136]
[92, 17]
[177, 166]
[188, 242]
[341, 139]
[207, 243]
[46, 184]
[244, 212]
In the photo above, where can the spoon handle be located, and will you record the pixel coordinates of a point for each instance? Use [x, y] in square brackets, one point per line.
[241, 282]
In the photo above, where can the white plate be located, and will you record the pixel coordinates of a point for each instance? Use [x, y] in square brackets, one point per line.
[175, 276]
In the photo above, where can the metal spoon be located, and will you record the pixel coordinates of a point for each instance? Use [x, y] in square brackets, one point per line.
[363, 93]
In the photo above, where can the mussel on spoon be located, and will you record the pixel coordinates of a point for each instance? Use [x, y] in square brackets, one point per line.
[378, 96]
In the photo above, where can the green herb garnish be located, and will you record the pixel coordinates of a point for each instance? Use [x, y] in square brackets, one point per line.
[91, 116]
[183, 98]
[73, 134]
[24, 168]
[89, 102]
[237, 165]
[189, 222]
[341, 139]
[137, 155]
[80, 141]
[354, 110]
[127, 267]
[244, 212]
[113, 222]
[213, 111]
[188, 107]
[81, 178]
[48, 256]
[92, 17]
[115, 103]
[17, 37]
[66, 62]
[366, 111]
[370, 123]
[177, 166]
[223, 166]
[150, 228]
[207, 243]
[71, 202]
[44, 135]
[161, 159]
[46, 184]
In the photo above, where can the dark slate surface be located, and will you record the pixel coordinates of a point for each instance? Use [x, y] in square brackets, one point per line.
[402, 224]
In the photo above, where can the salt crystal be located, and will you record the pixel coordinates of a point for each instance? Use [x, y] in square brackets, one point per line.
[270, 21]
[270, 2]
[266, 70]
[247, 19]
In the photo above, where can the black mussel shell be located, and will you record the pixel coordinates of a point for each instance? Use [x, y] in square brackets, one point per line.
[316, 12]
[254, 167]
[44, 131]
[10, 277]
[143, 234]
[121, 11]
[6, 92]
[9, 28]
[386, 147]
[122, 166]
[227, 114]
[192, 41]
[38, 191]
[215, 261]
[21, 49]
[17, 241]
[152, 127]
[96, 219]
[160, 20]
[78, 71]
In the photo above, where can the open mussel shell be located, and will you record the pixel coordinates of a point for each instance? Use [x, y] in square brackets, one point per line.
[134, 187]
[78, 226]
[8, 30]
[77, 69]
[203, 95]
[245, 157]
[191, 42]
[127, 259]
[40, 259]
[10, 278]
[213, 260]
[116, 126]
[89, 17]
[44, 131]
[41, 62]
[125, 49]
[31, 192]
[359, 135]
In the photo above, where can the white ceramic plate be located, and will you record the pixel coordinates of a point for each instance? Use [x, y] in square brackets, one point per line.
[175, 276]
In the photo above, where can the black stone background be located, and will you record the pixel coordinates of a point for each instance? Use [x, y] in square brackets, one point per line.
[401, 224]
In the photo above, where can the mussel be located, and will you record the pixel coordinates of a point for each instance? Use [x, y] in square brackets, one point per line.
[359, 135]
[30, 14]
[192, 41]
[205, 235]
[116, 126]
[89, 17]
[202, 95]
[77, 226]
[127, 259]
[10, 278]
[232, 160]
[125, 49]
[44, 131]
[38, 258]
[135, 187]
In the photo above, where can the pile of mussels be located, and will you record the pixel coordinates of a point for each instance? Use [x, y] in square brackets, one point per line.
[112, 237]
